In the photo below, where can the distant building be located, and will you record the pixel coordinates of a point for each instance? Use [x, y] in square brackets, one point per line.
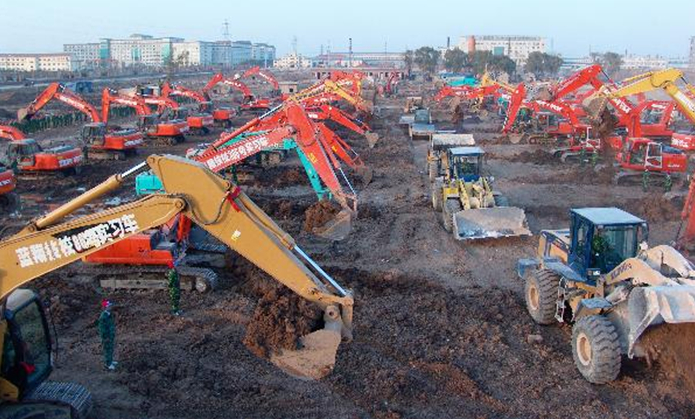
[643, 62]
[517, 48]
[292, 61]
[84, 55]
[37, 62]
[361, 59]
[145, 50]
[692, 53]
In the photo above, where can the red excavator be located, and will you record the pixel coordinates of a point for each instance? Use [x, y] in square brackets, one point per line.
[221, 116]
[331, 113]
[100, 142]
[200, 121]
[263, 74]
[162, 132]
[249, 102]
[29, 158]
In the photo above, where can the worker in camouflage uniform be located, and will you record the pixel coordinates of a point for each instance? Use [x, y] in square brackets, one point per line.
[174, 288]
[107, 333]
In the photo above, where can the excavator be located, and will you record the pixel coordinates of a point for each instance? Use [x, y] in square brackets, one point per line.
[222, 116]
[215, 204]
[263, 74]
[161, 132]
[9, 199]
[327, 112]
[100, 143]
[249, 102]
[28, 158]
[199, 122]
[601, 276]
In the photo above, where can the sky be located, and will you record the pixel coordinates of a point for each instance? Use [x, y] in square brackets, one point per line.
[573, 28]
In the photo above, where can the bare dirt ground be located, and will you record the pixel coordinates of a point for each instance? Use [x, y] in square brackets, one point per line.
[440, 326]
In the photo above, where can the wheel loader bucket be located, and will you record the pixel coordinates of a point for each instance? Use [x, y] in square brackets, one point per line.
[490, 223]
[338, 228]
[316, 356]
[372, 138]
[651, 306]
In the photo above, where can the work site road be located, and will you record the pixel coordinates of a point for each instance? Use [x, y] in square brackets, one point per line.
[440, 325]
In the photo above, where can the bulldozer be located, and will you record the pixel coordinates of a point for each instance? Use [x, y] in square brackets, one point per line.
[470, 209]
[64, 235]
[601, 276]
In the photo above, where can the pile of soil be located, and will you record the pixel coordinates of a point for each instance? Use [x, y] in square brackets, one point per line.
[661, 209]
[671, 346]
[278, 322]
[281, 177]
[319, 214]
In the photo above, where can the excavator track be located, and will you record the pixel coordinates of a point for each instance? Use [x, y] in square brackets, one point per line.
[150, 276]
[52, 394]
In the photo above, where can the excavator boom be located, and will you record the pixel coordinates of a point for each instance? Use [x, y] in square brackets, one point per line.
[63, 94]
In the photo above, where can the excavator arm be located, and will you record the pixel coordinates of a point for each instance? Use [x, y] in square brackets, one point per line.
[328, 112]
[213, 203]
[109, 97]
[235, 84]
[11, 133]
[59, 92]
[265, 75]
[665, 80]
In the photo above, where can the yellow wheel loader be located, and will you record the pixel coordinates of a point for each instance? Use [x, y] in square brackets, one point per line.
[62, 237]
[601, 276]
[470, 209]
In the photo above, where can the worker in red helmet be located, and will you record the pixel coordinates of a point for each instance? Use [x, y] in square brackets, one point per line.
[107, 333]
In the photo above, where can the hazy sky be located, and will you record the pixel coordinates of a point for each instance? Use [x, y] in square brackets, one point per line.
[639, 26]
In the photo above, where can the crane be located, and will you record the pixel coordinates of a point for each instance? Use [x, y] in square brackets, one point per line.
[163, 133]
[100, 142]
[215, 204]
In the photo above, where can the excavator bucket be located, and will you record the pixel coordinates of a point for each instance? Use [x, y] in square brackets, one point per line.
[337, 228]
[655, 305]
[372, 138]
[316, 356]
[490, 223]
[515, 138]
[365, 173]
[22, 114]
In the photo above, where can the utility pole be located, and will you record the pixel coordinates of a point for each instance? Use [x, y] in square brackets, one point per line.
[350, 53]
[225, 32]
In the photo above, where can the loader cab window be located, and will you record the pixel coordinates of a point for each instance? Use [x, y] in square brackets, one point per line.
[29, 350]
[467, 167]
[611, 245]
[578, 251]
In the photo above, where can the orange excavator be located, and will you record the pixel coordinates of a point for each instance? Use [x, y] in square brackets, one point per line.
[326, 112]
[28, 158]
[200, 121]
[161, 132]
[99, 141]
[249, 101]
[222, 116]
[263, 74]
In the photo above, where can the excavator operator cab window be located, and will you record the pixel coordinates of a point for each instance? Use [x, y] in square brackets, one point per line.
[26, 357]
[24, 149]
[147, 121]
[93, 133]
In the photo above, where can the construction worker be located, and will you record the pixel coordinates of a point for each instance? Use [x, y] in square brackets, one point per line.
[107, 332]
[174, 287]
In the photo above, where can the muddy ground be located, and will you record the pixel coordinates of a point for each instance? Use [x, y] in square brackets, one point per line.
[440, 328]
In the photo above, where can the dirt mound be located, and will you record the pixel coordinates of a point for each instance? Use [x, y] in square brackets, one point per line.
[319, 214]
[280, 177]
[665, 208]
[278, 322]
[536, 157]
[671, 346]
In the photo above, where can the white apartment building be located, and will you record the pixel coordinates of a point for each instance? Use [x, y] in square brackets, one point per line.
[138, 49]
[643, 62]
[37, 62]
[192, 53]
[263, 52]
[292, 61]
[358, 59]
[84, 55]
[517, 48]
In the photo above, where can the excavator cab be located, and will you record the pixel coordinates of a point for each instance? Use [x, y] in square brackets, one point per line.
[601, 239]
[148, 123]
[23, 152]
[27, 361]
[94, 133]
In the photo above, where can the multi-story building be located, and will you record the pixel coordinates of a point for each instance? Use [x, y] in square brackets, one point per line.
[517, 48]
[221, 53]
[292, 61]
[692, 53]
[360, 59]
[192, 53]
[84, 55]
[241, 52]
[37, 62]
[263, 53]
[138, 49]
[643, 62]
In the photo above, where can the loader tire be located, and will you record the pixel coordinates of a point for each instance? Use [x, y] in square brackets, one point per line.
[450, 207]
[436, 198]
[433, 170]
[595, 349]
[541, 296]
